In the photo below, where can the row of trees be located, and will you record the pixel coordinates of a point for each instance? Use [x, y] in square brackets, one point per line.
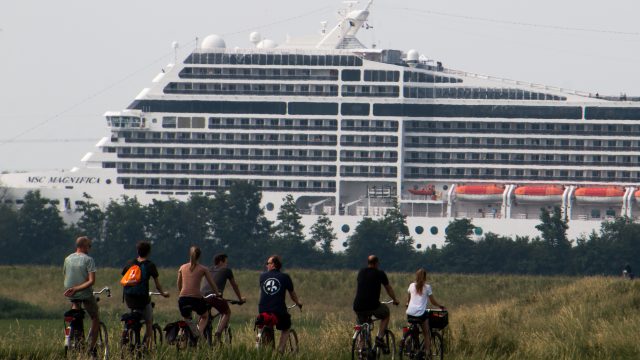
[233, 222]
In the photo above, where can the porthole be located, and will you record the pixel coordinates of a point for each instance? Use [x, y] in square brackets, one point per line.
[478, 231]
[344, 244]
[154, 121]
[434, 230]
[419, 230]
[419, 246]
[345, 228]
[270, 206]
[108, 181]
[445, 187]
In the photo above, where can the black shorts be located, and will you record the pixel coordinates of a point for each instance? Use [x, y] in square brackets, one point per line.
[418, 319]
[381, 312]
[188, 304]
[284, 321]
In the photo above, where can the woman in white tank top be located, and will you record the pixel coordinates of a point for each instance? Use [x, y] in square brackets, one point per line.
[420, 295]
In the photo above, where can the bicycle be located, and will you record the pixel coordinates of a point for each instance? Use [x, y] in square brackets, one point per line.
[362, 347]
[411, 345]
[208, 330]
[74, 340]
[130, 341]
[265, 334]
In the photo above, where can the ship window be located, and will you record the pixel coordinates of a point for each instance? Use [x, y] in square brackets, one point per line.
[351, 75]
[169, 122]
[361, 109]
[306, 108]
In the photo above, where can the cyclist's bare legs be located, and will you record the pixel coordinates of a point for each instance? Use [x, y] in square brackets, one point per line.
[148, 332]
[224, 322]
[203, 322]
[95, 328]
[383, 326]
[427, 336]
[283, 341]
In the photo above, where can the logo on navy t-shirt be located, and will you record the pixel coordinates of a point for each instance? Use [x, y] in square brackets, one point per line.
[271, 286]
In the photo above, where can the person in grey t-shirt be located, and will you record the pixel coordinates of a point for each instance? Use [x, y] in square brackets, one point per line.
[79, 276]
[221, 273]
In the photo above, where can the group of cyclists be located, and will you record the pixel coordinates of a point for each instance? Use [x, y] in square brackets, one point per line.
[196, 283]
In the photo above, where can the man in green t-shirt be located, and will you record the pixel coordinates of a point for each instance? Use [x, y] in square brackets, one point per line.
[79, 276]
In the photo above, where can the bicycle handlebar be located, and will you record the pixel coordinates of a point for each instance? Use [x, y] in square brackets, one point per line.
[104, 289]
[233, 302]
[387, 302]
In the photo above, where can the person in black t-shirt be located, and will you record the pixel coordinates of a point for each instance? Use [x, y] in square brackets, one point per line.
[273, 287]
[137, 297]
[367, 300]
[221, 273]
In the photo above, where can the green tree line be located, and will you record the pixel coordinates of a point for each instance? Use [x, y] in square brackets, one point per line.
[233, 222]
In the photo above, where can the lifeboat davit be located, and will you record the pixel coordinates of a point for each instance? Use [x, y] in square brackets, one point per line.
[425, 191]
[539, 193]
[492, 193]
[599, 195]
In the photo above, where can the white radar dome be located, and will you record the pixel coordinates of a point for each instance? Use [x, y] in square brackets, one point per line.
[255, 37]
[267, 44]
[413, 55]
[213, 42]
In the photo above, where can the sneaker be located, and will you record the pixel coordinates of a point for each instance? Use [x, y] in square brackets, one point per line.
[380, 344]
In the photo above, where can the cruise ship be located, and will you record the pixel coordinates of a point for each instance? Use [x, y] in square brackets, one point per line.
[350, 131]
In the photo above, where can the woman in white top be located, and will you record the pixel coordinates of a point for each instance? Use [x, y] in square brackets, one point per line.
[418, 302]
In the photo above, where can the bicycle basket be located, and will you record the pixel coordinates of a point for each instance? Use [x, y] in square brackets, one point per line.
[438, 319]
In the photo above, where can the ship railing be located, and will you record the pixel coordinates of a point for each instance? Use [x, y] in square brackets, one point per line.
[518, 82]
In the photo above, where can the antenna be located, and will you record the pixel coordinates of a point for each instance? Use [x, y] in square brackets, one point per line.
[175, 47]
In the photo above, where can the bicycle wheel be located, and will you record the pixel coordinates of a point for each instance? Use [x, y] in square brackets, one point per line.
[265, 338]
[406, 350]
[390, 341]
[182, 339]
[127, 343]
[292, 343]
[437, 346]
[360, 346]
[207, 333]
[156, 340]
[102, 343]
[228, 335]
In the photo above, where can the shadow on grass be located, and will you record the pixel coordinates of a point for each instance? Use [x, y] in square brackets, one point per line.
[12, 309]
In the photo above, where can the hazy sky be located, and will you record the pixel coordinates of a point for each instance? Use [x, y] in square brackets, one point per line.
[64, 63]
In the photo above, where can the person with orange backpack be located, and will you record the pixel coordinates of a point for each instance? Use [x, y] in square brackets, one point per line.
[135, 280]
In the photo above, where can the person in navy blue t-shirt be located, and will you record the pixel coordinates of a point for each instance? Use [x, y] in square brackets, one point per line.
[273, 287]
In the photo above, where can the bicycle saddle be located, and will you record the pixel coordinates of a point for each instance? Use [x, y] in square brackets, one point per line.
[131, 317]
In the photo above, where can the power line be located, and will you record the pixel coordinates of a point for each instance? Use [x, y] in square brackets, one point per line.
[118, 82]
[39, 141]
[518, 23]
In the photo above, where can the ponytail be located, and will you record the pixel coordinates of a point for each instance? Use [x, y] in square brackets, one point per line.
[421, 280]
[194, 256]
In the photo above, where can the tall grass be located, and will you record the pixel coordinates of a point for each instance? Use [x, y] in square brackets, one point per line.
[491, 317]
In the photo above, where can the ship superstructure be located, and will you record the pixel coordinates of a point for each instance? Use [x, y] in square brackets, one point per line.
[349, 131]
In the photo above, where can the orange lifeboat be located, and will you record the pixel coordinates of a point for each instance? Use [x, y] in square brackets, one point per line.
[539, 193]
[425, 191]
[599, 195]
[492, 193]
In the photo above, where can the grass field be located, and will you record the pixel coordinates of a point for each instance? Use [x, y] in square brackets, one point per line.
[491, 317]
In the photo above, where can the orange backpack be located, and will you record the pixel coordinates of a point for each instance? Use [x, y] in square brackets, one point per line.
[132, 277]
